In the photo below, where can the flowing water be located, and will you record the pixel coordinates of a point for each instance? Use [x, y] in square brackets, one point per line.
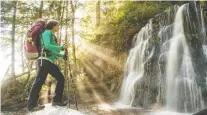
[135, 63]
[177, 82]
[181, 84]
[205, 50]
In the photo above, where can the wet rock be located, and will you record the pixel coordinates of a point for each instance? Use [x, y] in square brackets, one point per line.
[151, 89]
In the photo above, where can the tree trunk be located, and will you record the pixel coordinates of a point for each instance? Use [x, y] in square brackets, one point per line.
[66, 22]
[66, 62]
[98, 13]
[73, 32]
[98, 19]
[61, 22]
[66, 35]
[40, 10]
[59, 15]
[22, 49]
[13, 40]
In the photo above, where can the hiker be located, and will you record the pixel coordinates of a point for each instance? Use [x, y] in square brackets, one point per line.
[46, 64]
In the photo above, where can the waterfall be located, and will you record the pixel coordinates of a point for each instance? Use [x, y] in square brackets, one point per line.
[165, 34]
[183, 93]
[167, 64]
[135, 64]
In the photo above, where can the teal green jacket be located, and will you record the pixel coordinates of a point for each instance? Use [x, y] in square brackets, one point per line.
[48, 42]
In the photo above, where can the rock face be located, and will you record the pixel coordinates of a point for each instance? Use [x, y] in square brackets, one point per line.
[167, 65]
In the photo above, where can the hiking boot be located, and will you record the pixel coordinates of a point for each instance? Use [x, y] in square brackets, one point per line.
[36, 108]
[59, 103]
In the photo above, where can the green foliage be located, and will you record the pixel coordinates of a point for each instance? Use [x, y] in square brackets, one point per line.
[120, 21]
[27, 12]
[204, 7]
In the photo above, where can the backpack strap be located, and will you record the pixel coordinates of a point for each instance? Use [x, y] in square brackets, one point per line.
[42, 49]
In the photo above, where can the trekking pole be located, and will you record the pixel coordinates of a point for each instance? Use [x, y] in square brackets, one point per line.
[71, 78]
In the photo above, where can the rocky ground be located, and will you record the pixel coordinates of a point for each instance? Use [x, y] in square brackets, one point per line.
[92, 99]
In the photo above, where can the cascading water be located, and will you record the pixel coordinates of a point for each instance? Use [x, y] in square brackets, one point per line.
[205, 50]
[180, 55]
[135, 64]
[183, 93]
[165, 34]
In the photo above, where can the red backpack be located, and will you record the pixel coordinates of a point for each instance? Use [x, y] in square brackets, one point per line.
[32, 39]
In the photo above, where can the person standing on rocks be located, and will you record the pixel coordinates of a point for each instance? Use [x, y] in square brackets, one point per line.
[46, 65]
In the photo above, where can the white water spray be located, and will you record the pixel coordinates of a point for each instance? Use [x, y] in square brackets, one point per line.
[181, 84]
[135, 64]
[178, 83]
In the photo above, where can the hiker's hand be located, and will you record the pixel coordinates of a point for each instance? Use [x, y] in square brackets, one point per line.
[65, 46]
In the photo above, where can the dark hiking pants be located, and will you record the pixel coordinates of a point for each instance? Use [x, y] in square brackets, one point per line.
[42, 71]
